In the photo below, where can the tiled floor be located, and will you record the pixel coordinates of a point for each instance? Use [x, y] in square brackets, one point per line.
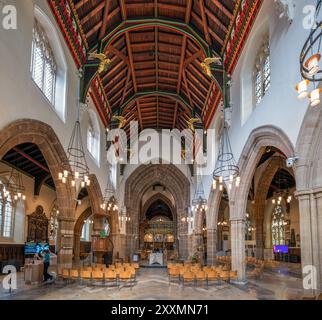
[152, 284]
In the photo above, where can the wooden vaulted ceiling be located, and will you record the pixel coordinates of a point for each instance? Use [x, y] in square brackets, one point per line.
[149, 64]
[156, 49]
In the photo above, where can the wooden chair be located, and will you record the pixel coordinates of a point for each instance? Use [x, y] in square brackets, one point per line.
[86, 276]
[98, 276]
[118, 265]
[173, 273]
[97, 269]
[135, 265]
[224, 276]
[188, 277]
[201, 276]
[233, 276]
[132, 271]
[319, 297]
[74, 274]
[211, 276]
[126, 277]
[110, 276]
[65, 275]
[126, 264]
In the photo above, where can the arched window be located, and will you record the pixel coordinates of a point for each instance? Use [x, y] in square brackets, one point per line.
[43, 65]
[262, 72]
[278, 226]
[6, 216]
[93, 136]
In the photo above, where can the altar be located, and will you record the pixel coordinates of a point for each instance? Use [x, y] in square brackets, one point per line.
[156, 258]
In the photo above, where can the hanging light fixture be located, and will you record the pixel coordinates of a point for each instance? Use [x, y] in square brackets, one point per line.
[222, 223]
[310, 63]
[123, 217]
[199, 202]
[109, 203]
[76, 169]
[14, 186]
[226, 170]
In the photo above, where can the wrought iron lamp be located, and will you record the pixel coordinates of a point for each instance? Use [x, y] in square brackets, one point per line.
[109, 203]
[310, 63]
[76, 168]
[199, 202]
[226, 170]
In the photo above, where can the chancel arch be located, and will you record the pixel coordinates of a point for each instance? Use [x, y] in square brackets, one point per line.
[141, 180]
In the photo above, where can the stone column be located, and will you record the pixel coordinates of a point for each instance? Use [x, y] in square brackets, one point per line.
[259, 222]
[182, 236]
[238, 248]
[317, 247]
[76, 247]
[211, 246]
[65, 241]
[308, 232]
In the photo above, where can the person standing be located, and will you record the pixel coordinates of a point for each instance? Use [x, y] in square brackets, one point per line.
[46, 265]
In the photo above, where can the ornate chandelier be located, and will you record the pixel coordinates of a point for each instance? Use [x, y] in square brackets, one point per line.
[310, 63]
[14, 186]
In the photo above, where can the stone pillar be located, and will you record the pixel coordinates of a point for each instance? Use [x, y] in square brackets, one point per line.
[211, 246]
[65, 241]
[183, 237]
[77, 247]
[259, 222]
[309, 234]
[238, 248]
[318, 235]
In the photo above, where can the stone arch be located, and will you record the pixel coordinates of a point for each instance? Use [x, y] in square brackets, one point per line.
[309, 191]
[262, 189]
[78, 231]
[309, 151]
[155, 197]
[140, 181]
[95, 194]
[166, 200]
[259, 138]
[250, 156]
[41, 134]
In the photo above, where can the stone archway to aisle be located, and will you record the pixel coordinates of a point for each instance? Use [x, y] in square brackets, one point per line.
[309, 193]
[42, 135]
[254, 148]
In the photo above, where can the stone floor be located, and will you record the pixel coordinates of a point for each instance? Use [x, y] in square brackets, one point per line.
[152, 284]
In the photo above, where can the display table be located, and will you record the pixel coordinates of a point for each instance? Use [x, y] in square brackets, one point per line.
[156, 258]
[33, 273]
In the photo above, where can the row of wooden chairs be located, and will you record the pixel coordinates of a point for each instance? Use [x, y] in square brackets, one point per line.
[126, 275]
[180, 265]
[207, 275]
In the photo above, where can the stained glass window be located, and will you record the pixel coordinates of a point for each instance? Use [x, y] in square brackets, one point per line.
[278, 226]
